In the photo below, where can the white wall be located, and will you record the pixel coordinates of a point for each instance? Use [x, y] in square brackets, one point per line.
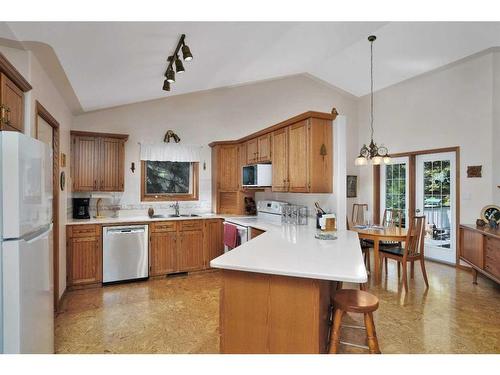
[222, 114]
[495, 139]
[46, 93]
[447, 107]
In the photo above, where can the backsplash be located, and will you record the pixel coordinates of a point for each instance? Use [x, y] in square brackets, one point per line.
[127, 206]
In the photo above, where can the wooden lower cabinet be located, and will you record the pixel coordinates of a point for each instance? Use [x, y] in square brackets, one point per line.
[480, 248]
[174, 246]
[262, 314]
[213, 240]
[184, 246]
[190, 251]
[254, 232]
[84, 255]
[163, 251]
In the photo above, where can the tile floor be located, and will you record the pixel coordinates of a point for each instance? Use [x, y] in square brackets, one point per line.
[181, 315]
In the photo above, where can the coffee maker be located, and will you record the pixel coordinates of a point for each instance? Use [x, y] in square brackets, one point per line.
[81, 208]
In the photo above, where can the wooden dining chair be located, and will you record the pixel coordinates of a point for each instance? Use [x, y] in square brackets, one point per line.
[358, 213]
[411, 251]
[365, 245]
[393, 217]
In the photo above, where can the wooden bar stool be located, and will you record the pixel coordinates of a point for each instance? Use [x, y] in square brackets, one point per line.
[354, 301]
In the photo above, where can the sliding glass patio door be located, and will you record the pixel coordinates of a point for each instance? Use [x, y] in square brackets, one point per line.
[435, 180]
[394, 179]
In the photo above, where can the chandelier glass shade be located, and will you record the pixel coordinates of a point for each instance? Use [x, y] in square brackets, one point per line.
[372, 154]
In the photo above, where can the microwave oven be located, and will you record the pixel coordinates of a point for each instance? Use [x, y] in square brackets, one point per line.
[257, 175]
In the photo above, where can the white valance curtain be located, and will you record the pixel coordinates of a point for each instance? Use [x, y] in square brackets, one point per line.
[170, 152]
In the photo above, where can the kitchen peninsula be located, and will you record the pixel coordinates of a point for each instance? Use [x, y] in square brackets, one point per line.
[276, 288]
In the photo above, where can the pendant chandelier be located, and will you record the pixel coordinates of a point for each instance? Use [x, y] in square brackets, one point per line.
[372, 154]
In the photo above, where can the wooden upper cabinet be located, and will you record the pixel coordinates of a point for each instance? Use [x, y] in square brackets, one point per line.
[320, 156]
[280, 160]
[264, 150]
[12, 105]
[84, 163]
[112, 159]
[298, 150]
[253, 151]
[259, 149]
[228, 168]
[98, 161]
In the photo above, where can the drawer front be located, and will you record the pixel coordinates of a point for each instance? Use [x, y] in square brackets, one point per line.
[84, 231]
[164, 226]
[191, 225]
[492, 256]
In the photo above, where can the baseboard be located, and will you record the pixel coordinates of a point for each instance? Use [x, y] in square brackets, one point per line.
[60, 302]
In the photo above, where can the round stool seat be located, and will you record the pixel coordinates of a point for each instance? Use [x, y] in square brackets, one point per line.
[353, 300]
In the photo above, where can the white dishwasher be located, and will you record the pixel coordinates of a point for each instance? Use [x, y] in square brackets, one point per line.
[125, 253]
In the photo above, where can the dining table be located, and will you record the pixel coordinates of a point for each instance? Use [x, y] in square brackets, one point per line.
[377, 234]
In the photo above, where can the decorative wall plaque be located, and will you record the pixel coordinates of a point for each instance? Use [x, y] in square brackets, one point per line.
[474, 171]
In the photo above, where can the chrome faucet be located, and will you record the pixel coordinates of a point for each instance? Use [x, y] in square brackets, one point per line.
[176, 207]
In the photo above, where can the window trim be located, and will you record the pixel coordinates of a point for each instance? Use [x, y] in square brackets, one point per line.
[194, 196]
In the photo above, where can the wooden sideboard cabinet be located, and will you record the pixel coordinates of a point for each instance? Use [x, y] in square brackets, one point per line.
[480, 248]
[98, 161]
[83, 256]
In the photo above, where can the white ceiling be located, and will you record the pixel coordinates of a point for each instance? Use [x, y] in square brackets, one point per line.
[115, 63]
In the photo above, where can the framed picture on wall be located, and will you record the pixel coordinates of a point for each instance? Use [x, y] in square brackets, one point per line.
[352, 186]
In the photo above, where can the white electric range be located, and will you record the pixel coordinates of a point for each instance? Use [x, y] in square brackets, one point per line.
[268, 211]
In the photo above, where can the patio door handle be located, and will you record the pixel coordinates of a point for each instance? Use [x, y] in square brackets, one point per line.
[417, 210]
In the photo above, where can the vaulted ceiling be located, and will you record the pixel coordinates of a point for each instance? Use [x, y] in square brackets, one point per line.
[115, 63]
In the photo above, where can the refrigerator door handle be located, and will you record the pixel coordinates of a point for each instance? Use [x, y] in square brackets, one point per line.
[38, 234]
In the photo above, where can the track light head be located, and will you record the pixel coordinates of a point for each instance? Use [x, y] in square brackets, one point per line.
[166, 85]
[186, 53]
[170, 74]
[179, 67]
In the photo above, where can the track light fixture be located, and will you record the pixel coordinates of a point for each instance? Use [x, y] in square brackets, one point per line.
[166, 85]
[179, 68]
[174, 58]
[170, 74]
[186, 53]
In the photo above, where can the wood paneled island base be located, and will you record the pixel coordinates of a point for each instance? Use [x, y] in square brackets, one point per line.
[262, 313]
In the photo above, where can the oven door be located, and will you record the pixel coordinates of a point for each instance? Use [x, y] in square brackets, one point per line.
[242, 233]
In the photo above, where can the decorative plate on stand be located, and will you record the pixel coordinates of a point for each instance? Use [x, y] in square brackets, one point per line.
[491, 212]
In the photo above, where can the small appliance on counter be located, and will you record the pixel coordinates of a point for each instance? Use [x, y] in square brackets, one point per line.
[81, 208]
[257, 175]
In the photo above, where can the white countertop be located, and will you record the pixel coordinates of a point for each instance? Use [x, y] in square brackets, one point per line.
[287, 250]
[138, 219]
[292, 250]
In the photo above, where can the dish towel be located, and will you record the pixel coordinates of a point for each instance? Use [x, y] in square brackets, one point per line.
[231, 236]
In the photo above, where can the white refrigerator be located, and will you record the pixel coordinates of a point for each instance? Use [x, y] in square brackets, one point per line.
[26, 274]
